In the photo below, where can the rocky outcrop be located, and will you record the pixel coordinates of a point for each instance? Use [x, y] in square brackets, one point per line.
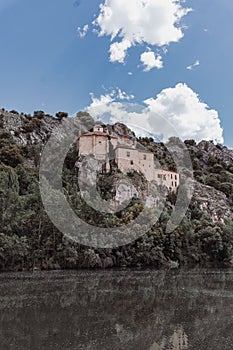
[212, 201]
[119, 129]
[27, 130]
[222, 153]
[121, 188]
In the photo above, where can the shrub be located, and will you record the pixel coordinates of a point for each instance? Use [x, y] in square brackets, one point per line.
[226, 188]
[6, 138]
[33, 125]
[13, 111]
[61, 115]
[1, 121]
[39, 114]
[212, 161]
[10, 155]
[190, 142]
[212, 181]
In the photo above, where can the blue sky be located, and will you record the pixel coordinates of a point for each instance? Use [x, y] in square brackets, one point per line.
[45, 64]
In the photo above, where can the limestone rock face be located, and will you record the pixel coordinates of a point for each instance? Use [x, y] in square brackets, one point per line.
[88, 167]
[119, 129]
[28, 131]
[222, 153]
[212, 201]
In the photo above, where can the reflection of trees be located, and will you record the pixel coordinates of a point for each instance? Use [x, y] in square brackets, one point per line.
[178, 341]
[151, 310]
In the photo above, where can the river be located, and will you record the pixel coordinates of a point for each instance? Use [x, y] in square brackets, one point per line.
[117, 309]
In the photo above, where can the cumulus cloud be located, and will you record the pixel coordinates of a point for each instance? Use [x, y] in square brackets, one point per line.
[118, 51]
[150, 61]
[192, 66]
[100, 106]
[122, 95]
[83, 31]
[149, 22]
[176, 111]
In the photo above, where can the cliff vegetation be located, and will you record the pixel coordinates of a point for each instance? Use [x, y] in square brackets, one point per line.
[29, 240]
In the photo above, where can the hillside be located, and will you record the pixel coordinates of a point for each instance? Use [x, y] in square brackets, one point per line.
[29, 240]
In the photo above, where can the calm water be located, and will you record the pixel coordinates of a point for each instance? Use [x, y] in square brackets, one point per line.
[129, 309]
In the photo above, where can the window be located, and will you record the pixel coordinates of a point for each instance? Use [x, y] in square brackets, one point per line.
[159, 176]
[175, 184]
[131, 162]
[100, 142]
[172, 183]
[171, 176]
[144, 156]
[175, 177]
[128, 154]
[164, 177]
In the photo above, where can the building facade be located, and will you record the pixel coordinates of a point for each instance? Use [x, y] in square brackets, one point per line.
[105, 147]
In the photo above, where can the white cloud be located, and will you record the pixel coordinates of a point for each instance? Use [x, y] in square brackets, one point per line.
[192, 66]
[150, 61]
[83, 31]
[99, 105]
[150, 22]
[118, 51]
[174, 111]
[122, 95]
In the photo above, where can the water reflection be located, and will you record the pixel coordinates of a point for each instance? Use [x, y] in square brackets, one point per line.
[151, 310]
[178, 341]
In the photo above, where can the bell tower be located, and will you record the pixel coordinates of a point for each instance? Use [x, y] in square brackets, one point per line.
[98, 128]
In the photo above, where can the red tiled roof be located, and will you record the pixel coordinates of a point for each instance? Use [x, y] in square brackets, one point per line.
[98, 133]
[144, 151]
[126, 147]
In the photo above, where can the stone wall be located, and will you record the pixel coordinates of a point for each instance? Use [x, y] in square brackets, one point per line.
[127, 159]
[94, 143]
[134, 159]
[146, 164]
[168, 178]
